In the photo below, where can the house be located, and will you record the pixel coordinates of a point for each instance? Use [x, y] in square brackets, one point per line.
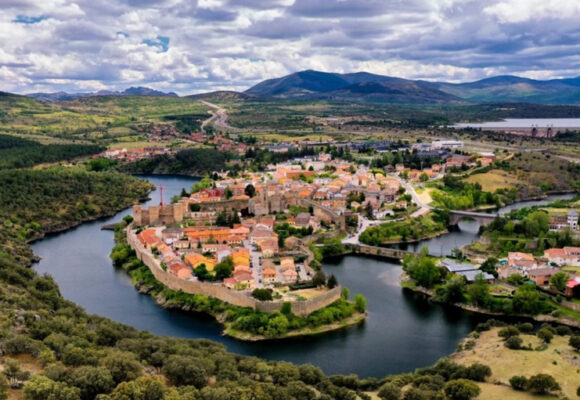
[269, 275]
[287, 263]
[573, 287]
[521, 261]
[454, 266]
[290, 275]
[471, 275]
[566, 256]
[269, 247]
[195, 260]
[541, 276]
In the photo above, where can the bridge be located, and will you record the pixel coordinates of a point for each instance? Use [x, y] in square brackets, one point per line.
[376, 251]
[484, 219]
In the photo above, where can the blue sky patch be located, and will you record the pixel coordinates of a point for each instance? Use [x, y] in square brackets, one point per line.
[161, 42]
[26, 19]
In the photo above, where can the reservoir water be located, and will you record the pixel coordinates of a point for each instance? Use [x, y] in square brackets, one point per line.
[403, 330]
[524, 123]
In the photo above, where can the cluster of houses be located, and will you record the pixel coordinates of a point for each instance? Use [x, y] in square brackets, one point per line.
[135, 154]
[564, 222]
[251, 245]
[541, 269]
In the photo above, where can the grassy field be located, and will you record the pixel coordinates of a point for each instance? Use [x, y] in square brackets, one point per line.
[558, 360]
[494, 179]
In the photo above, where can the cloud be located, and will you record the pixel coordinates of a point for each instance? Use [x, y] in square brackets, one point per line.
[194, 45]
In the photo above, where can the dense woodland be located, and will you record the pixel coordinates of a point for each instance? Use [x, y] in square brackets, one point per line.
[21, 153]
[185, 162]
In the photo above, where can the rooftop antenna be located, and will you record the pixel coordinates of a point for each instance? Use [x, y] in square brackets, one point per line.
[161, 195]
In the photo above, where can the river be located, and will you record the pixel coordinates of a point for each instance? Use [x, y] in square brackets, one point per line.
[403, 330]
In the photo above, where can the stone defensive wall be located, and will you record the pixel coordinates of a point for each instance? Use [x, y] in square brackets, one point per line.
[379, 251]
[242, 299]
[224, 205]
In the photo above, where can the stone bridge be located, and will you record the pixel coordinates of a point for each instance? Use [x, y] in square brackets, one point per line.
[385, 252]
[484, 219]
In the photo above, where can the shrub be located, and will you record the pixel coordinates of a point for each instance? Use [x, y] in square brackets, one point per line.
[575, 342]
[478, 372]
[514, 343]
[545, 334]
[461, 389]
[262, 294]
[525, 327]
[508, 331]
[389, 391]
[563, 330]
[519, 382]
[542, 383]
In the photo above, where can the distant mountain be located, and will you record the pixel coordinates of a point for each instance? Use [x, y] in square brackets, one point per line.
[220, 95]
[132, 91]
[363, 86]
[360, 86]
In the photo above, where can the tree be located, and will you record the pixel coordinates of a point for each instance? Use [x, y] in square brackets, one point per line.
[542, 383]
[123, 366]
[516, 279]
[42, 388]
[345, 294]
[250, 190]
[92, 381]
[575, 342]
[545, 334]
[228, 193]
[389, 391]
[202, 273]
[461, 389]
[508, 331]
[514, 343]
[559, 280]
[360, 303]
[478, 372]
[332, 282]
[319, 278]
[422, 269]
[224, 269]
[143, 388]
[262, 294]
[424, 177]
[519, 382]
[479, 291]
[183, 370]
[489, 266]
[527, 300]
[453, 291]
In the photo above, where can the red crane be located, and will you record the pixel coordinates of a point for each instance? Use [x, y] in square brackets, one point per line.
[161, 195]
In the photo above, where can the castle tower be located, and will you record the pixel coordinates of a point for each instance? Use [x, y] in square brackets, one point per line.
[138, 215]
[154, 215]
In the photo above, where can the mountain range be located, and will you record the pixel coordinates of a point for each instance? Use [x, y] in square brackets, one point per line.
[132, 91]
[373, 88]
[363, 86]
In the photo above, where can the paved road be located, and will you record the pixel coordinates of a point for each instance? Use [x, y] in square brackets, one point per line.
[363, 224]
[219, 118]
[424, 208]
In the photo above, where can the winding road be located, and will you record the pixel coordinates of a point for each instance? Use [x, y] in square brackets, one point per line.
[219, 118]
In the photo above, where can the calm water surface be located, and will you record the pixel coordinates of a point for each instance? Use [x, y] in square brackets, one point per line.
[403, 331]
[524, 123]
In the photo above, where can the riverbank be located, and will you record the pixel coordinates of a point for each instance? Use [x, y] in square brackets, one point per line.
[243, 317]
[356, 319]
[408, 284]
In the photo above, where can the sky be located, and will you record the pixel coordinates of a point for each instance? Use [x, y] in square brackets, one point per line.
[193, 46]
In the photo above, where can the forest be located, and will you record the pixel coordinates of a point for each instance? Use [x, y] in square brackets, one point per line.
[185, 162]
[21, 153]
